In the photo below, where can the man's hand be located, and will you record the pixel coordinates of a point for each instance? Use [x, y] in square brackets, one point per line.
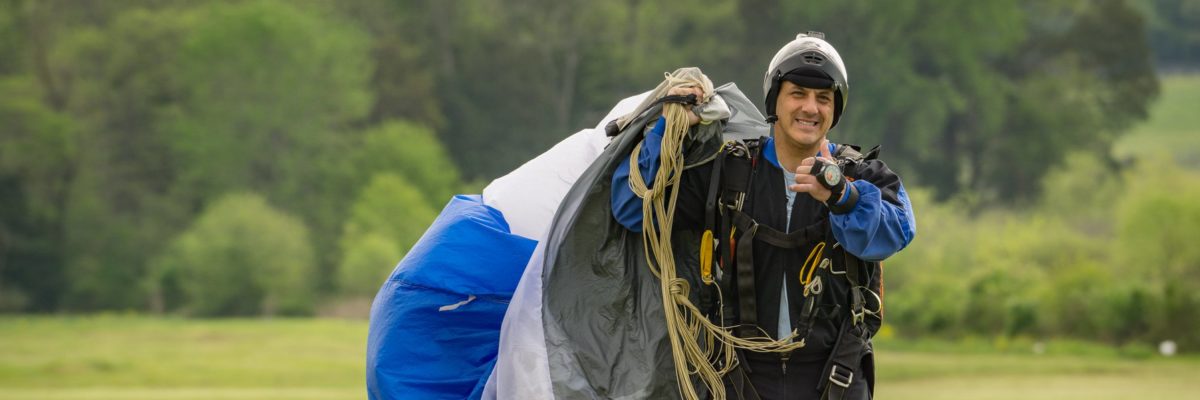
[806, 182]
[693, 119]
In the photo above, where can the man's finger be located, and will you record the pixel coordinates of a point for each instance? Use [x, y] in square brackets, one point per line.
[801, 187]
[823, 152]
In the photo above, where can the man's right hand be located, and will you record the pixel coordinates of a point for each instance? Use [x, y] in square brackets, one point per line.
[693, 119]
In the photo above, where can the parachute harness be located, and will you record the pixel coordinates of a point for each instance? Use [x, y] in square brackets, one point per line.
[687, 326]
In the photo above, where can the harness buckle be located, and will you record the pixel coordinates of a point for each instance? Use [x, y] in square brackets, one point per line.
[814, 287]
[857, 317]
[841, 376]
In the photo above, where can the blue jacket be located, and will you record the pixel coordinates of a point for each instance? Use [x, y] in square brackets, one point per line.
[873, 230]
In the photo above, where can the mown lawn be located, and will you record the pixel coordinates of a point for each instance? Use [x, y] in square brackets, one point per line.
[131, 357]
[135, 357]
[1065, 370]
[1173, 128]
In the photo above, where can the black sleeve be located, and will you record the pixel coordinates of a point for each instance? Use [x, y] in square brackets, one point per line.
[878, 173]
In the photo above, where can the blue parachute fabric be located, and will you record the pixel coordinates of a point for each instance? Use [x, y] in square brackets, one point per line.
[435, 323]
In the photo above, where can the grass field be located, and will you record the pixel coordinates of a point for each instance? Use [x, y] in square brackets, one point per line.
[126, 357]
[131, 357]
[1066, 370]
[1173, 127]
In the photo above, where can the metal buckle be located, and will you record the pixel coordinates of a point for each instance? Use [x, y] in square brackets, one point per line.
[878, 301]
[841, 380]
[814, 287]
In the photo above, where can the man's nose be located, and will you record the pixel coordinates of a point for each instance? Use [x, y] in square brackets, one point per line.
[809, 105]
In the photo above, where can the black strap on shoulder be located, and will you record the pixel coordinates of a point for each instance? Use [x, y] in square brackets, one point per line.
[747, 303]
[715, 184]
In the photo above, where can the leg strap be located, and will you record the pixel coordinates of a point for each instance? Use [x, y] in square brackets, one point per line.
[853, 346]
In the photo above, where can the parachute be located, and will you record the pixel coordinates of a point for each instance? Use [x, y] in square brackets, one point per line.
[435, 322]
[473, 311]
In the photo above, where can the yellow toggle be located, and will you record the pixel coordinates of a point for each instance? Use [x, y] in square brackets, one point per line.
[706, 252]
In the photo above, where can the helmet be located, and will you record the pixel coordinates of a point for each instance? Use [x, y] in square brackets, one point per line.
[808, 61]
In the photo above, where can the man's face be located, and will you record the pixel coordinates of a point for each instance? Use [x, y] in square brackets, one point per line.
[805, 114]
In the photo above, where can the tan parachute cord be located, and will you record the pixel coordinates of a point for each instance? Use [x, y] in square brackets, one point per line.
[687, 326]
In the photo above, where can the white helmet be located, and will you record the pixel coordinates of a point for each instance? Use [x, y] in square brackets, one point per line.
[808, 61]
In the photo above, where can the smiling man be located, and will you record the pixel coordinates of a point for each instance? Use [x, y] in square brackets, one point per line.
[798, 252]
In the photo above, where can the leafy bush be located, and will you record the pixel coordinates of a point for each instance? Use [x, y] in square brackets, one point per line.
[388, 218]
[366, 264]
[241, 257]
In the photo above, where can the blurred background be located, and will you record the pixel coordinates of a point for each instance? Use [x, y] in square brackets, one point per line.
[172, 172]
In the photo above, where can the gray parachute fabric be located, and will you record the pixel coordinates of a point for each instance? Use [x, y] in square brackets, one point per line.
[587, 319]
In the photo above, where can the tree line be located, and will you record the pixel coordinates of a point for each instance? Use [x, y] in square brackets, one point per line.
[245, 157]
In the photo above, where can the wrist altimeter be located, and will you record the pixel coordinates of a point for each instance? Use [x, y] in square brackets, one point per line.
[830, 176]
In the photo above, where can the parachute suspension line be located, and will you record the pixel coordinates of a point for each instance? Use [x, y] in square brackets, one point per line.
[687, 326]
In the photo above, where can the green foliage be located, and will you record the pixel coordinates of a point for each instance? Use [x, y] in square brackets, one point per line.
[1174, 27]
[242, 257]
[388, 218]
[1106, 257]
[123, 120]
[1156, 225]
[366, 264]
[412, 153]
[391, 207]
[37, 155]
[262, 83]
[520, 76]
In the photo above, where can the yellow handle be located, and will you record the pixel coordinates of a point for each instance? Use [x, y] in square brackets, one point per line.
[706, 252]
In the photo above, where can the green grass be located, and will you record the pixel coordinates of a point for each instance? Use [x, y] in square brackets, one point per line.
[128, 357]
[1066, 370]
[137, 357]
[1174, 124]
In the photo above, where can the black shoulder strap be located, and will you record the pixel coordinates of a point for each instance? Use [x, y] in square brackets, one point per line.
[850, 156]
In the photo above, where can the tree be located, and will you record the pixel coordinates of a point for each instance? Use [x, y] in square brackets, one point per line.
[517, 77]
[178, 106]
[981, 98]
[241, 257]
[366, 264]
[413, 154]
[1174, 32]
[388, 218]
[37, 153]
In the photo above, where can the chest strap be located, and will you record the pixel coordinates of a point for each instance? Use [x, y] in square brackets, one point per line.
[752, 231]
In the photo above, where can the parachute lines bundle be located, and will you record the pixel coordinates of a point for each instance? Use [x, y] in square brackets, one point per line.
[687, 327]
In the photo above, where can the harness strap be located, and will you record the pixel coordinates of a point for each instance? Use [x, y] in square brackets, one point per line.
[710, 244]
[857, 302]
[752, 231]
[745, 281]
[770, 236]
[853, 343]
[852, 348]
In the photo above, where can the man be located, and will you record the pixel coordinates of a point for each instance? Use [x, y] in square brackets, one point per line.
[815, 221]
